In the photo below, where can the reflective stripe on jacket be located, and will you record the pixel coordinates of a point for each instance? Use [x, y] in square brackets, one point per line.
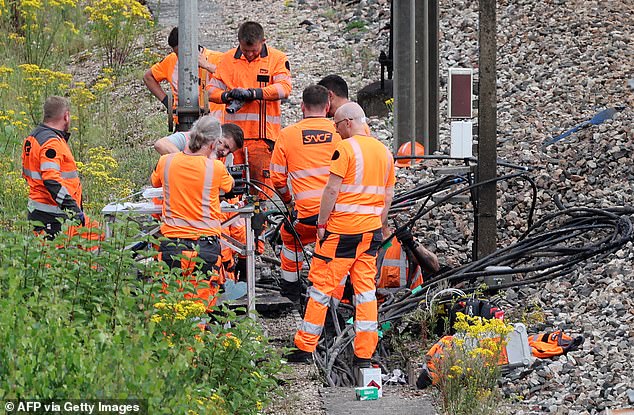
[49, 168]
[191, 184]
[303, 152]
[395, 269]
[367, 168]
[271, 72]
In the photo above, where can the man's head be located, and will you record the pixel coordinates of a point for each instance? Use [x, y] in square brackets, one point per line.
[337, 91]
[349, 120]
[172, 40]
[315, 101]
[232, 139]
[251, 38]
[56, 112]
[205, 132]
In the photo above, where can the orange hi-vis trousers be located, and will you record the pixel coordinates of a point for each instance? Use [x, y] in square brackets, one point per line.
[292, 255]
[336, 256]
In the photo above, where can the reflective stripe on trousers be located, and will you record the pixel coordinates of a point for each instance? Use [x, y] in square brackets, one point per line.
[335, 257]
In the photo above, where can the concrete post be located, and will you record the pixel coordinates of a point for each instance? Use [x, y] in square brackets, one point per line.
[404, 82]
[433, 29]
[485, 242]
[188, 106]
[421, 68]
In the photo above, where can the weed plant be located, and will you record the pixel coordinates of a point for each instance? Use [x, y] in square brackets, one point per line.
[466, 369]
[80, 324]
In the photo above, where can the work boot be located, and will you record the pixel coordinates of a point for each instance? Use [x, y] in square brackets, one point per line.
[359, 363]
[290, 290]
[299, 356]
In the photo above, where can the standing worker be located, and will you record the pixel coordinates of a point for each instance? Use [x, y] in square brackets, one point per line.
[50, 171]
[354, 206]
[251, 80]
[191, 214]
[338, 95]
[167, 70]
[317, 136]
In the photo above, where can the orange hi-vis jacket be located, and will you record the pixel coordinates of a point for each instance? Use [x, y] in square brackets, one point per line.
[367, 169]
[51, 173]
[396, 267]
[191, 184]
[167, 70]
[303, 152]
[271, 72]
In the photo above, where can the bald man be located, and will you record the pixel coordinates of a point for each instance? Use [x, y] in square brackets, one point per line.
[354, 206]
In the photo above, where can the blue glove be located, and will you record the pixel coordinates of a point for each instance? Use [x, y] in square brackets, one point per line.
[81, 217]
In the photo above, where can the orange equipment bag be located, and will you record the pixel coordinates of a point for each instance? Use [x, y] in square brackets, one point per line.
[556, 343]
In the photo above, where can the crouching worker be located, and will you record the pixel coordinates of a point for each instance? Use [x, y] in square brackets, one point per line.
[191, 183]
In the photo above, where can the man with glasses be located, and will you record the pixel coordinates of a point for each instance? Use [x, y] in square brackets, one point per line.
[353, 209]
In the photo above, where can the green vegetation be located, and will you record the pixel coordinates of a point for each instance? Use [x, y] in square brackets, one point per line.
[87, 319]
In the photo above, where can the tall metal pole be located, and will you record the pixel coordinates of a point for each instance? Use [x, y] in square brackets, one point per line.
[434, 80]
[404, 82]
[487, 139]
[188, 107]
[421, 106]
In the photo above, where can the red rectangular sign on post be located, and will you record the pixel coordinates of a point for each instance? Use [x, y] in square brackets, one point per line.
[460, 93]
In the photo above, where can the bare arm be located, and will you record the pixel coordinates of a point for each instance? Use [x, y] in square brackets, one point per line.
[426, 259]
[205, 64]
[153, 85]
[165, 146]
[328, 199]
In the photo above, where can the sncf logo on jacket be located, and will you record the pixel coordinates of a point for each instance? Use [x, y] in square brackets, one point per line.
[316, 136]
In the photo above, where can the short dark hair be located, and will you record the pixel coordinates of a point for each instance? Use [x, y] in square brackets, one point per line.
[315, 97]
[250, 33]
[336, 84]
[172, 39]
[235, 132]
[55, 107]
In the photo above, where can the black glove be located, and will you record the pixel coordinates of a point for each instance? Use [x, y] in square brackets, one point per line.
[405, 237]
[81, 218]
[256, 92]
[225, 97]
[241, 94]
[164, 101]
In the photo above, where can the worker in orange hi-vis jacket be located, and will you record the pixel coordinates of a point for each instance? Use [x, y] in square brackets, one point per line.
[49, 168]
[191, 214]
[167, 70]
[251, 80]
[353, 208]
[314, 135]
[337, 94]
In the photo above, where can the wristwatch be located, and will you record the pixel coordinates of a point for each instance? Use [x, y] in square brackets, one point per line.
[321, 226]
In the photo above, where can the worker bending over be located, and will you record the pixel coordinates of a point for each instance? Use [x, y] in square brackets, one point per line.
[403, 261]
[302, 153]
[251, 80]
[354, 206]
[191, 214]
[232, 139]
